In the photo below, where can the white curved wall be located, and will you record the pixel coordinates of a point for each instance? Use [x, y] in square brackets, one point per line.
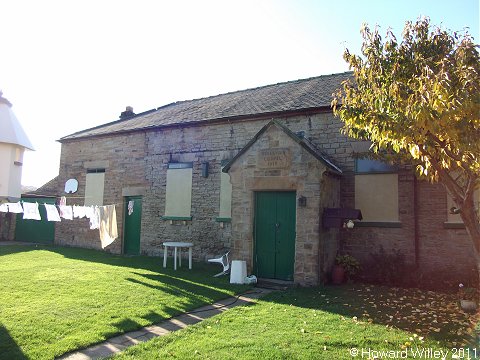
[11, 162]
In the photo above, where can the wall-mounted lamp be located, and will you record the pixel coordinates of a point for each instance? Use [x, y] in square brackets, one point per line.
[454, 210]
[302, 201]
[205, 169]
[349, 224]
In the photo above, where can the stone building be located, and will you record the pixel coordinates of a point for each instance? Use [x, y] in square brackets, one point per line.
[252, 172]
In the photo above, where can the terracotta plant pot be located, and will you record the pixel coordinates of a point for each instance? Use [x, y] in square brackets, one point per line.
[338, 275]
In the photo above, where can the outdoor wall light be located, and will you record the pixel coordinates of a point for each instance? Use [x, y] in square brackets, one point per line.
[205, 169]
[349, 224]
[454, 210]
[302, 201]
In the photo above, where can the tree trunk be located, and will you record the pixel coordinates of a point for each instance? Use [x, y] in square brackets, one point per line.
[462, 194]
[472, 225]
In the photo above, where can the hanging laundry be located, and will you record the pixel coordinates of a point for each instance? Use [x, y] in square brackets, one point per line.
[130, 207]
[15, 208]
[95, 218]
[63, 201]
[4, 207]
[66, 212]
[108, 225]
[78, 211]
[52, 213]
[30, 211]
[89, 211]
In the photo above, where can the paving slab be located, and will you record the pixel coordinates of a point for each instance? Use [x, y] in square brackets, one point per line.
[121, 342]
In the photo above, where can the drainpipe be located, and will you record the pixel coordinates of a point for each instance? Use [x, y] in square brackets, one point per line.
[416, 221]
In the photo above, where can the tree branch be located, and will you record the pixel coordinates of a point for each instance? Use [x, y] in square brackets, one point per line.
[452, 186]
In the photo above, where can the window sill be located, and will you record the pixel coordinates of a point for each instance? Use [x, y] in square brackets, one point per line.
[180, 218]
[223, 219]
[379, 224]
[453, 225]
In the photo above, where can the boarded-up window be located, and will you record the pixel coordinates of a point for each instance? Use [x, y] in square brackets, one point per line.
[225, 195]
[94, 187]
[376, 191]
[178, 201]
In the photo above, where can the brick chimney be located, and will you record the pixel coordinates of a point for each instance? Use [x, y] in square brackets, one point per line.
[128, 113]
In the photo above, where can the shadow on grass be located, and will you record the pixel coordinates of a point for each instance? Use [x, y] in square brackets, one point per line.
[425, 313]
[192, 294]
[201, 274]
[8, 347]
[196, 287]
[19, 248]
[177, 287]
[191, 288]
[150, 263]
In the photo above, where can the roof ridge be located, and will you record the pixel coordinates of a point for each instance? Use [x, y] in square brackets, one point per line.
[309, 93]
[256, 88]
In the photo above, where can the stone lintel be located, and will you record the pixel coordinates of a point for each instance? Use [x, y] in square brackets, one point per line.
[134, 191]
[274, 183]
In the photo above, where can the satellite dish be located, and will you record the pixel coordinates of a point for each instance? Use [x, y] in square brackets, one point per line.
[71, 186]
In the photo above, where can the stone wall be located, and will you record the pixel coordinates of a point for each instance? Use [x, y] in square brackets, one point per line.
[123, 157]
[195, 144]
[303, 174]
[7, 226]
[137, 161]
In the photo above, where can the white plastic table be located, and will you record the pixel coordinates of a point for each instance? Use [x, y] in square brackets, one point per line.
[177, 245]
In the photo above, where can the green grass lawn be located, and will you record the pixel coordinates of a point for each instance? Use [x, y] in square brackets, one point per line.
[54, 300]
[324, 323]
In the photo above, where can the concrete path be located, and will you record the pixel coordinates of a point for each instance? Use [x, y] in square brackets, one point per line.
[121, 342]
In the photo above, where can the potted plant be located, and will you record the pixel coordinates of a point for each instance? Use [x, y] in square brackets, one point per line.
[468, 297]
[345, 267]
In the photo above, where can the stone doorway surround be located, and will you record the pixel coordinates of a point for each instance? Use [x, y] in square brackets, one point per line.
[277, 159]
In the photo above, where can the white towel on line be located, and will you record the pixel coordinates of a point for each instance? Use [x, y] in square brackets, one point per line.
[66, 212]
[95, 218]
[89, 211]
[78, 211]
[15, 207]
[52, 213]
[30, 211]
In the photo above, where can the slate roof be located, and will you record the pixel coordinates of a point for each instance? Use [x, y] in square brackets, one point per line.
[48, 189]
[298, 95]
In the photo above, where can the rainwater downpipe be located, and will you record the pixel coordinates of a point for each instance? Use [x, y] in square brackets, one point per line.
[416, 222]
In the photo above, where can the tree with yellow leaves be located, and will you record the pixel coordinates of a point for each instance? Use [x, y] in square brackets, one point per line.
[420, 99]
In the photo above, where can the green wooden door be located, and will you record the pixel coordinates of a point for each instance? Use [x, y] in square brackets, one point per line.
[38, 231]
[275, 234]
[132, 225]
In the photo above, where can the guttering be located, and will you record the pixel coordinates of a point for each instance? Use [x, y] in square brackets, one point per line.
[247, 117]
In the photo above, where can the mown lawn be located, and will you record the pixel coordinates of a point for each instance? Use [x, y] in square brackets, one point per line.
[54, 300]
[325, 323]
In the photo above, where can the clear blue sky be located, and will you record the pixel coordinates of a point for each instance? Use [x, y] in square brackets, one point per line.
[67, 66]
